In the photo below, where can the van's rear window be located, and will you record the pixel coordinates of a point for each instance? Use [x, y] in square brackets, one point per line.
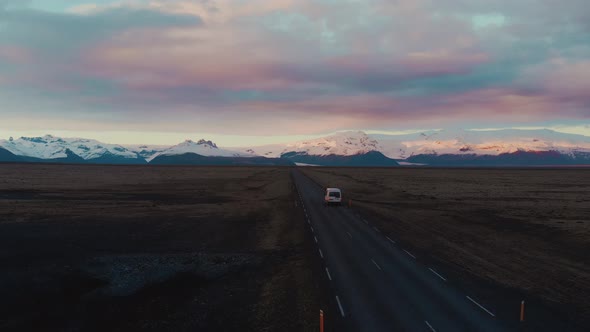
[335, 194]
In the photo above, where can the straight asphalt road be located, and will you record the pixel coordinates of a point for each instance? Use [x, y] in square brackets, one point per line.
[378, 285]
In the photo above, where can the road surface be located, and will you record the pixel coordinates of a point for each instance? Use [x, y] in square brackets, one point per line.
[379, 285]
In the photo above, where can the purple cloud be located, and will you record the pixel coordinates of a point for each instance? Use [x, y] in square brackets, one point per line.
[377, 63]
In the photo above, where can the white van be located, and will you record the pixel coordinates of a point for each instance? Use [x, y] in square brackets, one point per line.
[333, 196]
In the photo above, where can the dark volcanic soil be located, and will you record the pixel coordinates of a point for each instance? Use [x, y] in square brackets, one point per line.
[125, 248]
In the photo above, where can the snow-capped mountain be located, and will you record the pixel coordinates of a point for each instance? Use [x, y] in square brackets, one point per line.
[347, 143]
[147, 152]
[433, 142]
[51, 147]
[351, 148]
[481, 142]
[201, 147]
[269, 151]
[502, 146]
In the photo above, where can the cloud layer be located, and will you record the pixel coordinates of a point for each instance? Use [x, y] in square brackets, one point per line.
[294, 67]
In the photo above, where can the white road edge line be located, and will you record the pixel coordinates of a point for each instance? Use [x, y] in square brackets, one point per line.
[429, 326]
[377, 265]
[376, 229]
[479, 305]
[350, 235]
[316, 239]
[328, 273]
[321, 253]
[410, 254]
[438, 275]
[340, 306]
[390, 240]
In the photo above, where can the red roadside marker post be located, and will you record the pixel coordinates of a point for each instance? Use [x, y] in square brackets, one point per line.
[321, 321]
[522, 311]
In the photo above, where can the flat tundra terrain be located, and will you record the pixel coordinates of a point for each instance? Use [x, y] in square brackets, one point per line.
[170, 248]
[525, 230]
[124, 248]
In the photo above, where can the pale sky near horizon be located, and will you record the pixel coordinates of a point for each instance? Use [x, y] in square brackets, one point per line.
[261, 72]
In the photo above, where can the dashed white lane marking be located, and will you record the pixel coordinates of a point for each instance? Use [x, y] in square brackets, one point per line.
[410, 254]
[328, 273]
[482, 307]
[350, 235]
[390, 240]
[311, 228]
[316, 239]
[308, 221]
[340, 306]
[438, 275]
[366, 222]
[429, 326]
[376, 229]
[321, 253]
[377, 265]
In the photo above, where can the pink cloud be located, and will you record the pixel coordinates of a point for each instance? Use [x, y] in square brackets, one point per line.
[309, 66]
[16, 54]
[234, 50]
[564, 78]
[148, 59]
[489, 106]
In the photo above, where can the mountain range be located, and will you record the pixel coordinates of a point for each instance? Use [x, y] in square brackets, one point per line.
[351, 148]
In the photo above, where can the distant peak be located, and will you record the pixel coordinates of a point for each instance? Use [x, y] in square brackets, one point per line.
[35, 139]
[205, 142]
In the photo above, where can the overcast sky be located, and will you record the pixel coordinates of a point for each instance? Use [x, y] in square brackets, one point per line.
[251, 71]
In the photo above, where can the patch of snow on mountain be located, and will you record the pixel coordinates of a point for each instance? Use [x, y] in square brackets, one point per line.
[202, 147]
[344, 144]
[51, 147]
[147, 151]
[481, 142]
[268, 151]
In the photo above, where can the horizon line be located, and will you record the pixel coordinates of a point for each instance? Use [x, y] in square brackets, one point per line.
[126, 138]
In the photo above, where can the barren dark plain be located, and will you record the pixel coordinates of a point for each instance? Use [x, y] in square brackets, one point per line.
[124, 248]
[171, 248]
